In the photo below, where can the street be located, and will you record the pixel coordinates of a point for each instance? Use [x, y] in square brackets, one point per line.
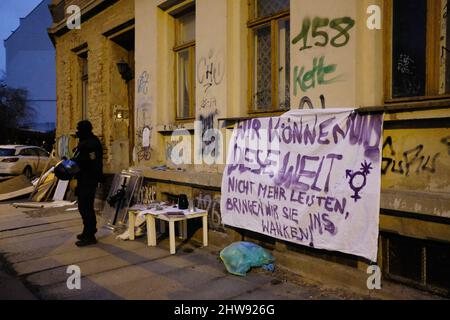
[37, 246]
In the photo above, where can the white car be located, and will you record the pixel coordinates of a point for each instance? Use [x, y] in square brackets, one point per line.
[27, 160]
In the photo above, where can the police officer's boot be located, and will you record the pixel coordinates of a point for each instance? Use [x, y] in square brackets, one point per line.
[86, 241]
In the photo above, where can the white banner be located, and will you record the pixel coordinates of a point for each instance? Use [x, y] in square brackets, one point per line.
[310, 177]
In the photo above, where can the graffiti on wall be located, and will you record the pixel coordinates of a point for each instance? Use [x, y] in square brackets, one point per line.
[321, 66]
[170, 146]
[210, 75]
[319, 32]
[408, 161]
[173, 127]
[415, 153]
[306, 101]
[210, 70]
[142, 84]
[320, 74]
[210, 145]
[340, 36]
[144, 131]
[146, 193]
[143, 147]
[208, 103]
[210, 201]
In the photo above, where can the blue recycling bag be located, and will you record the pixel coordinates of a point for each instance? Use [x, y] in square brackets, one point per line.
[240, 257]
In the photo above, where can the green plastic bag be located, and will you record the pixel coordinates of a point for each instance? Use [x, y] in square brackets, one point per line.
[240, 257]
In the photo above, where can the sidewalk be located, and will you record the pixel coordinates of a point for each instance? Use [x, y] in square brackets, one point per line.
[12, 288]
[37, 246]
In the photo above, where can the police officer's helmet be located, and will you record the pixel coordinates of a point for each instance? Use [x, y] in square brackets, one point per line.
[66, 170]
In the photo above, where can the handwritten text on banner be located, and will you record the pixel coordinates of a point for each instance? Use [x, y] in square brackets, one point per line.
[309, 177]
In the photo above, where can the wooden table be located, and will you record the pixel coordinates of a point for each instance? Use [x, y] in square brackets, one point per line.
[151, 216]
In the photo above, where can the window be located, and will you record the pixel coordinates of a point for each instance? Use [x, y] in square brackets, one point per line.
[28, 152]
[84, 85]
[269, 54]
[421, 263]
[409, 48]
[444, 62]
[7, 152]
[185, 65]
[418, 62]
[42, 153]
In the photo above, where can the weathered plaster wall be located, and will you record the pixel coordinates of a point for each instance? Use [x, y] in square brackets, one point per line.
[155, 67]
[415, 178]
[415, 170]
[324, 65]
[356, 68]
[417, 159]
[351, 75]
[106, 88]
[211, 73]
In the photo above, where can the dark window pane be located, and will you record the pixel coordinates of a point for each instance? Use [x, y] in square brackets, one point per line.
[7, 152]
[405, 258]
[270, 7]
[438, 265]
[409, 48]
[445, 52]
[447, 60]
[28, 152]
[42, 153]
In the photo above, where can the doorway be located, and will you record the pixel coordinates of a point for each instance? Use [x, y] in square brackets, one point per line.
[125, 38]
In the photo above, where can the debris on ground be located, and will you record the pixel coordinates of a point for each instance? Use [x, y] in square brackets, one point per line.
[37, 205]
[15, 187]
[47, 192]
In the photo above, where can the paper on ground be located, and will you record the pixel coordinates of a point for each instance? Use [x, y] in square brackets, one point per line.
[140, 219]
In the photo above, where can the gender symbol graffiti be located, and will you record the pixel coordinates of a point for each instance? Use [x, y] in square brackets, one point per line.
[358, 179]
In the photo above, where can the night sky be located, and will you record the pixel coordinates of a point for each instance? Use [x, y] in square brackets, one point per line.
[10, 13]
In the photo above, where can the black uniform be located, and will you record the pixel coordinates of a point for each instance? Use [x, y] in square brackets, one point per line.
[89, 157]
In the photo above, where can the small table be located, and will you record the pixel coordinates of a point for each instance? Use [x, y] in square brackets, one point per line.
[151, 215]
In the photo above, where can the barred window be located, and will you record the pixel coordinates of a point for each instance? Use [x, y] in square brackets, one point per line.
[269, 48]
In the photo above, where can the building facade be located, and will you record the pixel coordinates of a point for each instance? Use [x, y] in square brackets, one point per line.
[206, 64]
[89, 85]
[30, 64]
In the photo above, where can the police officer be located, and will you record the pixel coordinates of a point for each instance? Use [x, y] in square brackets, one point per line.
[89, 157]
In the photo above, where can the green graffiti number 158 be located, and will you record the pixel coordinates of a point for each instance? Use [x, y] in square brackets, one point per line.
[341, 25]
